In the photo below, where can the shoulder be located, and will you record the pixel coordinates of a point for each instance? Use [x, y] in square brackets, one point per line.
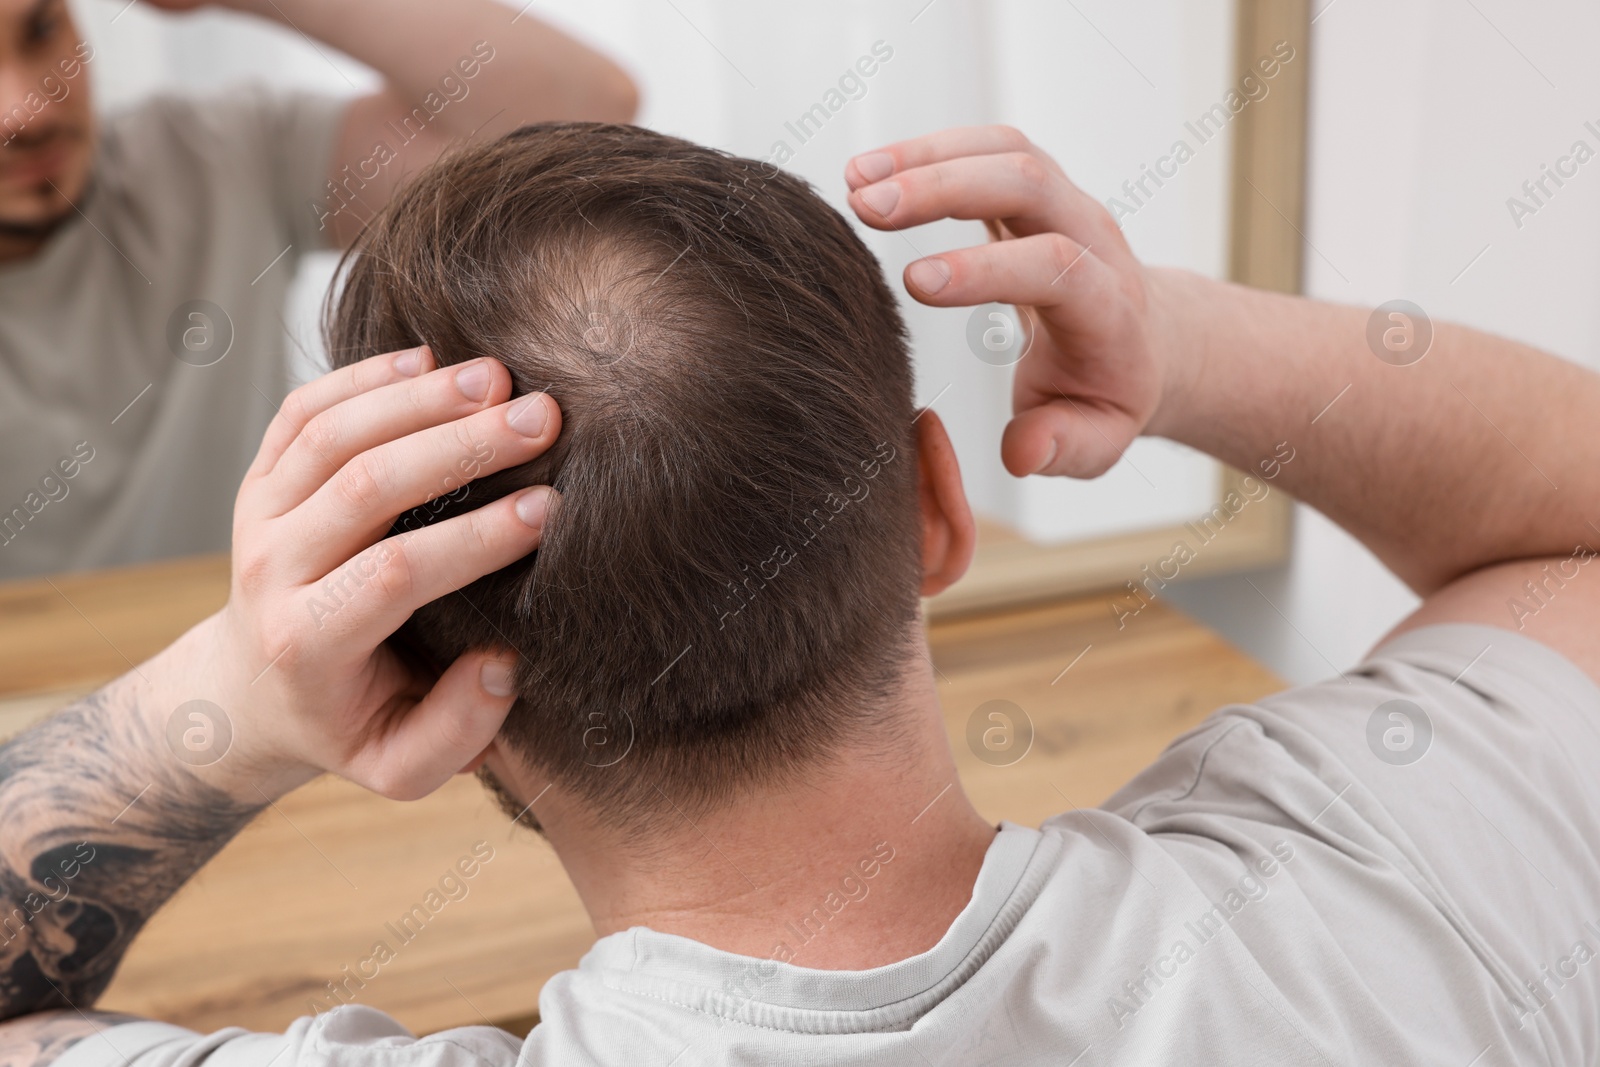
[1460, 692]
[246, 121]
[243, 169]
[1554, 601]
[352, 1035]
[244, 100]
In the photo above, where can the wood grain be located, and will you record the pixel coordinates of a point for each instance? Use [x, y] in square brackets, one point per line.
[308, 888]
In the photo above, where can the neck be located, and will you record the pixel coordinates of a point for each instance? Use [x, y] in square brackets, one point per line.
[861, 864]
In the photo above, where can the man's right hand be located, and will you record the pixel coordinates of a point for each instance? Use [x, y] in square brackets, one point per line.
[1095, 375]
[1450, 468]
[297, 657]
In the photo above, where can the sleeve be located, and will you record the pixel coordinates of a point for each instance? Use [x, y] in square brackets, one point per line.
[247, 159]
[287, 141]
[348, 1036]
[1477, 751]
[1461, 762]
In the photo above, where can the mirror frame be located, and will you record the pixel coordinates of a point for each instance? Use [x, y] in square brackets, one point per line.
[1267, 205]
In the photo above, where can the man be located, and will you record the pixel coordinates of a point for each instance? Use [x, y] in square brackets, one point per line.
[782, 866]
[144, 263]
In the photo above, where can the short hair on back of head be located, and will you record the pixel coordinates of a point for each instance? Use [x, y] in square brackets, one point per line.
[728, 589]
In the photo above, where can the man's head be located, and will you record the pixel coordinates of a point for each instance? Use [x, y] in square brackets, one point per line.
[728, 591]
[46, 124]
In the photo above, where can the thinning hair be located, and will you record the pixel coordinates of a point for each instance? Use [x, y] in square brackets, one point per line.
[728, 588]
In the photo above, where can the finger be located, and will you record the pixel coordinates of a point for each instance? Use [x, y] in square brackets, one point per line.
[444, 732]
[1046, 270]
[359, 604]
[1066, 437]
[311, 399]
[339, 433]
[1000, 186]
[1027, 195]
[878, 164]
[359, 503]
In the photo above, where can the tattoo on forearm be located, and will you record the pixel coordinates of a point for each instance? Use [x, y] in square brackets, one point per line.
[97, 830]
[39, 1039]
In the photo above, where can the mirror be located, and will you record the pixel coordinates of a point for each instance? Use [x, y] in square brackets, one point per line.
[1186, 118]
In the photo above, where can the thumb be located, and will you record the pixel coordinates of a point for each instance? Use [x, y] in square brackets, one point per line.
[446, 731]
[1068, 437]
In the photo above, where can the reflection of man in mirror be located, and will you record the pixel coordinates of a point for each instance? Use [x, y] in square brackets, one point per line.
[145, 260]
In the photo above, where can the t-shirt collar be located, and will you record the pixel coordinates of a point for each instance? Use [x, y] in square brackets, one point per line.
[769, 992]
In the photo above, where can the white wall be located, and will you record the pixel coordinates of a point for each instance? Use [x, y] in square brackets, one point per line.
[1426, 116]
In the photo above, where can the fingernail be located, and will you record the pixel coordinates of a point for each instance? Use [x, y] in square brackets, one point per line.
[533, 506]
[496, 678]
[473, 380]
[528, 415]
[929, 275]
[409, 362]
[1049, 459]
[875, 166]
[881, 198]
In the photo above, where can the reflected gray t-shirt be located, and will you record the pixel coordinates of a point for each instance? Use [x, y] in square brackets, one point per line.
[142, 350]
[1286, 884]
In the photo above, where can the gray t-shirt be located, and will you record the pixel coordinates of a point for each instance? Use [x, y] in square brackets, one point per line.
[1270, 891]
[116, 449]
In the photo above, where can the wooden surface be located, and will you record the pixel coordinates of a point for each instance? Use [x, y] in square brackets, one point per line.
[1010, 571]
[308, 888]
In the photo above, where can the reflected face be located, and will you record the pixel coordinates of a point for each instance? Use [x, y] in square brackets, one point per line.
[46, 124]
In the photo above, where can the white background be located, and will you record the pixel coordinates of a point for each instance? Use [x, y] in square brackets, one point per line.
[1105, 86]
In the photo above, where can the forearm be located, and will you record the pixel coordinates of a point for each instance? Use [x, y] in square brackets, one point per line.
[40, 1039]
[1462, 459]
[109, 806]
[532, 73]
[100, 823]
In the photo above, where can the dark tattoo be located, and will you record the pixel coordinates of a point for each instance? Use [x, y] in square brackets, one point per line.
[98, 827]
[37, 1040]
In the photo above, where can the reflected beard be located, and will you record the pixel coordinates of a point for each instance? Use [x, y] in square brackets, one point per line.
[516, 810]
[34, 231]
[39, 229]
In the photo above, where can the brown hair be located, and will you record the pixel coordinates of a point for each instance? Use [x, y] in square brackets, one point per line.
[727, 588]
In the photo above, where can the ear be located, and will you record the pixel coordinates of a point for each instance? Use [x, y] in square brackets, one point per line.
[500, 761]
[949, 535]
[477, 761]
